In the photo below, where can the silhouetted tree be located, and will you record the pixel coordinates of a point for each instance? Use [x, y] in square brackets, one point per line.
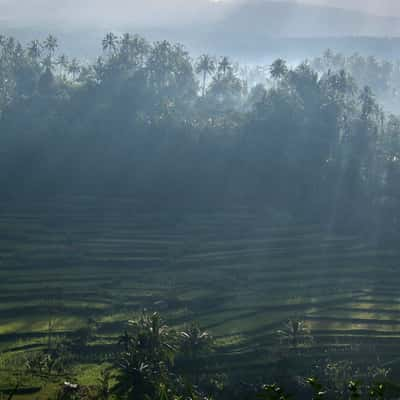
[205, 66]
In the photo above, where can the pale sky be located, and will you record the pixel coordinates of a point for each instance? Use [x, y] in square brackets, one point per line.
[199, 24]
[152, 12]
[378, 7]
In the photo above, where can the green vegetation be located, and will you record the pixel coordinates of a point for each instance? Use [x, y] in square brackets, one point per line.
[250, 293]
[140, 122]
[268, 213]
[153, 361]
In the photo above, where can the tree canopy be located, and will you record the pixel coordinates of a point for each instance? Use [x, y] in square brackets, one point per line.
[147, 120]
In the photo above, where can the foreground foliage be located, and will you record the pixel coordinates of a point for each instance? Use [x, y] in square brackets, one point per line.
[154, 361]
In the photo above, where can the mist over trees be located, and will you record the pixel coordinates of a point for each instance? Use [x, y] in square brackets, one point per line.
[381, 75]
[249, 30]
[147, 120]
[261, 200]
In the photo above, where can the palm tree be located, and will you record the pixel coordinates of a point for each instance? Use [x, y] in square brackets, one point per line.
[126, 41]
[224, 65]
[74, 68]
[62, 63]
[50, 44]
[126, 47]
[278, 69]
[152, 336]
[195, 340]
[205, 66]
[99, 69]
[194, 343]
[34, 50]
[133, 50]
[18, 53]
[341, 84]
[110, 43]
[368, 103]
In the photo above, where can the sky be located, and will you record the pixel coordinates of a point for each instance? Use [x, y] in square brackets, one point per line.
[218, 26]
[190, 17]
[102, 11]
[378, 7]
[147, 12]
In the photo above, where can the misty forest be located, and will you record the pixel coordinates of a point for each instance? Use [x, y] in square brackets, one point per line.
[182, 226]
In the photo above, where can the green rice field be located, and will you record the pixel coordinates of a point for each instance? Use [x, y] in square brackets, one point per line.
[237, 272]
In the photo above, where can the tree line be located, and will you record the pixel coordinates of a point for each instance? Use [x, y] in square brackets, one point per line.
[382, 76]
[147, 120]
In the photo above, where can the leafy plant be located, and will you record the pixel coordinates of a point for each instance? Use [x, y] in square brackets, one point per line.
[146, 358]
[273, 392]
[294, 333]
[194, 341]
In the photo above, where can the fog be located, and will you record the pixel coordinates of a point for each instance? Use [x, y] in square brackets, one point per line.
[242, 29]
[199, 199]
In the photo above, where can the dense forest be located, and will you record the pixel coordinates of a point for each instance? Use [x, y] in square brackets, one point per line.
[146, 119]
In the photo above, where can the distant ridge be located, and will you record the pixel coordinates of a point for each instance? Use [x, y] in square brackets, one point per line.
[243, 17]
[292, 19]
[243, 28]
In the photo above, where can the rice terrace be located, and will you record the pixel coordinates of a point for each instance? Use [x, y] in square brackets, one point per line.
[204, 208]
[240, 274]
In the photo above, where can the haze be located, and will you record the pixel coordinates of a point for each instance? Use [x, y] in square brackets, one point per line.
[200, 199]
[243, 29]
[154, 12]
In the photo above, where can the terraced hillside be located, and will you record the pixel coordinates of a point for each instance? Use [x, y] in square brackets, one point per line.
[239, 273]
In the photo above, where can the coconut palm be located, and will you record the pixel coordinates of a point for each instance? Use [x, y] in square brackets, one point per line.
[152, 336]
[34, 50]
[224, 65]
[278, 69]
[133, 50]
[110, 43]
[147, 352]
[368, 103]
[18, 53]
[126, 39]
[62, 62]
[194, 340]
[74, 68]
[125, 48]
[51, 45]
[99, 69]
[205, 66]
